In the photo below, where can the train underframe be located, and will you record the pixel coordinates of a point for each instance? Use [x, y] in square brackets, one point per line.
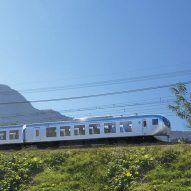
[89, 142]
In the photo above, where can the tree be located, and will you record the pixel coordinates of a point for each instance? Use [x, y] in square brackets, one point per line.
[182, 104]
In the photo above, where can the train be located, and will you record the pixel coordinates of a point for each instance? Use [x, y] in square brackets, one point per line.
[87, 129]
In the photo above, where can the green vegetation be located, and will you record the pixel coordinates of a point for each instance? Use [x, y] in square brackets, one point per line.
[116, 168]
[182, 104]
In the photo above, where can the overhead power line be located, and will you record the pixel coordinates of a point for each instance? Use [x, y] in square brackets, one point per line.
[149, 108]
[96, 95]
[104, 83]
[128, 114]
[111, 82]
[99, 107]
[110, 106]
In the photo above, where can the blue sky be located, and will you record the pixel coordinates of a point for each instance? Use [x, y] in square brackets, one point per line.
[47, 43]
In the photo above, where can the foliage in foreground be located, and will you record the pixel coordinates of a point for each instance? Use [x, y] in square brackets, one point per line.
[119, 168]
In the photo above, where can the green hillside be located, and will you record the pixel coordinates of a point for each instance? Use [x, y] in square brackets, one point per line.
[110, 168]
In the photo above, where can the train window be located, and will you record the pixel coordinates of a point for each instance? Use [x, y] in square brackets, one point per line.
[2, 135]
[51, 132]
[109, 128]
[79, 130]
[65, 131]
[37, 132]
[144, 123]
[14, 134]
[94, 128]
[126, 126]
[155, 121]
[166, 122]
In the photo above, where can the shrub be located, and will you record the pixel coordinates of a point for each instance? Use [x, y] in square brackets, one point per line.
[167, 157]
[125, 169]
[56, 159]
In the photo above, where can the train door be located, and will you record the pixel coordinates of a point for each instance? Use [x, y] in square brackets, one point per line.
[36, 133]
[144, 126]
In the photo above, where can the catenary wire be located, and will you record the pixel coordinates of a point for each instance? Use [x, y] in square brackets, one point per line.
[103, 107]
[103, 83]
[96, 95]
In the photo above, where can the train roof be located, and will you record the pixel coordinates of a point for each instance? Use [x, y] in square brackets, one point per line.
[103, 118]
[11, 126]
[96, 118]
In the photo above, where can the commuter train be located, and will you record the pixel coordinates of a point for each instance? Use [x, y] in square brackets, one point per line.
[87, 129]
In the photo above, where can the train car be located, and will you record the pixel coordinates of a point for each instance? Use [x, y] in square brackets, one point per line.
[87, 129]
[99, 128]
[10, 135]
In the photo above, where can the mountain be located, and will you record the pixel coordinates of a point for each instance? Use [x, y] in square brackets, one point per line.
[21, 113]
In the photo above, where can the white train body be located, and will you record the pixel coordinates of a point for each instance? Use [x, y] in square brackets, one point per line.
[11, 135]
[88, 129]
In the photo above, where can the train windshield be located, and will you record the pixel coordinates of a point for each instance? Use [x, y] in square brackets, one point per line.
[166, 122]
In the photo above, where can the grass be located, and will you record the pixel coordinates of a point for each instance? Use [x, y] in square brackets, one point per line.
[109, 168]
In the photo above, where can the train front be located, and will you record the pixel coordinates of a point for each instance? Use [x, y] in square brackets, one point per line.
[162, 132]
